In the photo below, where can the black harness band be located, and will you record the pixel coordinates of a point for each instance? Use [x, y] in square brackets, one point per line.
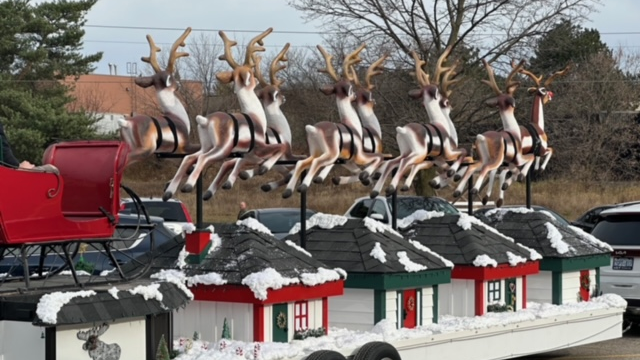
[536, 142]
[252, 130]
[506, 146]
[275, 134]
[352, 148]
[159, 132]
[236, 130]
[373, 140]
[174, 131]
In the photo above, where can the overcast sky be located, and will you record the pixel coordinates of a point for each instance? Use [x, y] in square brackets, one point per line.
[122, 45]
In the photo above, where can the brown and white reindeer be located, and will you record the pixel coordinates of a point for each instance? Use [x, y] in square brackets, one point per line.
[168, 133]
[372, 133]
[329, 141]
[222, 134]
[423, 145]
[495, 148]
[534, 138]
[97, 349]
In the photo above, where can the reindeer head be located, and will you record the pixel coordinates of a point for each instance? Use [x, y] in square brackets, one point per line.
[428, 91]
[504, 101]
[270, 93]
[342, 87]
[91, 336]
[163, 79]
[364, 96]
[242, 76]
[541, 89]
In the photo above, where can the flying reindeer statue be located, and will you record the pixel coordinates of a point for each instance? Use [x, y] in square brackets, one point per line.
[223, 134]
[423, 145]
[494, 148]
[97, 349]
[534, 138]
[169, 133]
[372, 133]
[329, 141]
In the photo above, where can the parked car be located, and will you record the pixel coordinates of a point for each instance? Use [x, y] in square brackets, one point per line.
[620, 228]
[380, 208]
[589, 219]
[174, 212]
[278, 220]
[561, 219]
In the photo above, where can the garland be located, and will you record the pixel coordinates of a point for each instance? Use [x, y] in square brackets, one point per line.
[585, 282]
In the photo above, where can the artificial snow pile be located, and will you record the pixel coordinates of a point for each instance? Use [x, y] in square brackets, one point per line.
[421, 247]
[254, 224]
[409, 265]
[323, 221]
[322, 276]
[498, 213]
[341, 339]
[211, 278]
[418, 215]
[295, 246]
[269, 278]
[466, 221]
[151, 291]
[590, 238]
[175, 277]
[378, 253]
[484, 261]
[555, 237]
[515, 259]
[376, 226]
[50, 304]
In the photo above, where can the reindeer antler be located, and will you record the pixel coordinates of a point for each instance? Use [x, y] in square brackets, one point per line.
[557, 74]
[273, 70]
[228, 55]
[152, 58]
[350, 60]
[492, 80]
[511, 85]
[442, 59]
[329, 69]
[252, 47]
[532, 76]
[373, 70]
[421, 75]
[257, 71]
[448, 79]
[174, 55]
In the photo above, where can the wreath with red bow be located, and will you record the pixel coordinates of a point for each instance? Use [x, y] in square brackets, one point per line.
[585, 281]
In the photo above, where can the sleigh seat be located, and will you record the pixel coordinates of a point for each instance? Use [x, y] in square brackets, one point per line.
[80, 202]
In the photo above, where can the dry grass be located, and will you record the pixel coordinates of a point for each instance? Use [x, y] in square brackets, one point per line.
[568, 197]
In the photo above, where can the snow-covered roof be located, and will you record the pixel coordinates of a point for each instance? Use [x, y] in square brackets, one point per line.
[539, 230]
[465, 240]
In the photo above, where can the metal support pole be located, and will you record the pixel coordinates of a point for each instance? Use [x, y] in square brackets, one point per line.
[199, 221]
[394, 210]
[470, 196]
[303, 219]
[528, 189]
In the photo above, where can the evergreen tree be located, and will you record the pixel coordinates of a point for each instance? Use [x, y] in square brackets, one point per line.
[162, 353]
[40, 45]
[226, 333]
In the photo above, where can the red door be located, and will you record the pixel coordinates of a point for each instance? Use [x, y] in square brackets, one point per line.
[585, 285]
[410, 305]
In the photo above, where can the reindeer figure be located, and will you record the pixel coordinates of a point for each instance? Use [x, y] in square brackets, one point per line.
[497, 147]
[330, 141]
[372, 133]
[423, 145]
[278, 131]
[97, 349]
[222, 134]
[169, 133]
[534, 138]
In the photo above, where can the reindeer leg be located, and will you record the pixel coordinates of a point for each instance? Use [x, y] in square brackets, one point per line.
[411, 159]
[323, 174]
[546, 157]
[471, 169]
[301, 165]
[215, 184]
[185, 165]
[215, 154]
[354, 170]
[492, 178]
[414, 171]
[283, 170]
[528, 160]
[318, 163]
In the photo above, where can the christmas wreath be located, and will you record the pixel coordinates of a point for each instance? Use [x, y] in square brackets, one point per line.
[411, 303]
[585, 282]
[281, 320]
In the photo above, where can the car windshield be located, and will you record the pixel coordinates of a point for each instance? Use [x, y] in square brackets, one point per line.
[169, 211]
[409, 205]
[280, 222]
[619, 230]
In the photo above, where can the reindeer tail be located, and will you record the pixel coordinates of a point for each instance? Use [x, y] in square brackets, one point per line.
[124, 123]
[201, 120]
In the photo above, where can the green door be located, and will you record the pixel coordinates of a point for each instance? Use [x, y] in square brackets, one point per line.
[280, 319]
[511, 299]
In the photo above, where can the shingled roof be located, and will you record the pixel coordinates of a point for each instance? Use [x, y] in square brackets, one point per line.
[463, 239]
[350, 246]
[542, 232]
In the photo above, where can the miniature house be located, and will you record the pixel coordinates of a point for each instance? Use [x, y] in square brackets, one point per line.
[388, 277]
[491, 271]
[129, 316]
[263, 288]
[570, 267]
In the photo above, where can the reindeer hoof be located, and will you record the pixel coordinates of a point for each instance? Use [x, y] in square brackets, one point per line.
[287, 194]
[166, 185]
[302, 188]
[265, 187]
[207, 195]
[457, 177]
[376, 176]
[485, 200]
[262, 170]
[521, 177]
[451, 172]
[167, 195]
[335, 180]
[434, 184]
[363, 176]
[505, 186]
[374, 194]
[366, 182]
[457, 193]
[187, 188]
[317, 180]
[244, 175]
[499, 203]
[474, 191]
[390, 189]
[227, 185]
[404, 188]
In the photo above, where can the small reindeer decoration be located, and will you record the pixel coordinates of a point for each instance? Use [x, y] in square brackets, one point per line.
[97, 349]
[168, 133]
